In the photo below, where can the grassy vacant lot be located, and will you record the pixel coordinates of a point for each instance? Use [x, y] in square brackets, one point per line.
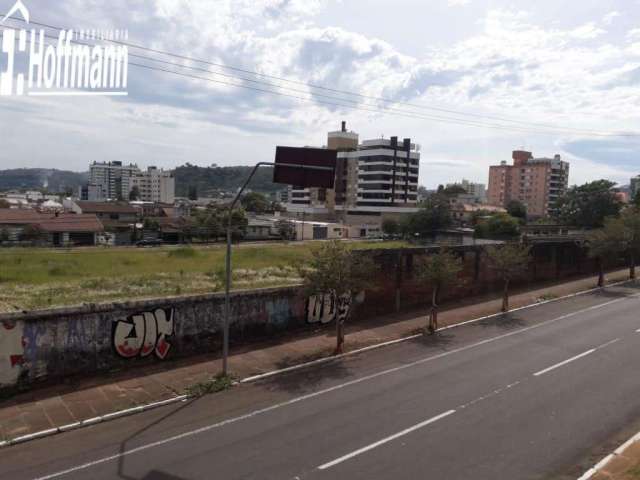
[42, 278]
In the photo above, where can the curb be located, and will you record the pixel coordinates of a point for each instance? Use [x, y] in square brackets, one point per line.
[603, 463]
[182, 398]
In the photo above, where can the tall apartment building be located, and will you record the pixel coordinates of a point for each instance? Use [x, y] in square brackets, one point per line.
[477, 190]
[374, 178]
[536, 182]
[155, 185]
[113, 178]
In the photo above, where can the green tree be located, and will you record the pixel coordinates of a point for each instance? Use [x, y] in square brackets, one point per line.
[134, 194]
[604, 244]
[390, 226]
[4, 203]
[630, 220]
[4, 235]
[286, 229]
[497, 226]
[255, 202]
[517, 209]
[508, 261]
[438, 270]
[587, 205]
[32, 233]
[622, 236]
[453, 190]
[151, 224]
[336, 271]
[434, 214]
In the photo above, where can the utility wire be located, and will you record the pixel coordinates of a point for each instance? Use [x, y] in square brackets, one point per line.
[320, 87]
[352, 104]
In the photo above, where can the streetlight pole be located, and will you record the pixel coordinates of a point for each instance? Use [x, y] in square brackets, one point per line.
[227, 286]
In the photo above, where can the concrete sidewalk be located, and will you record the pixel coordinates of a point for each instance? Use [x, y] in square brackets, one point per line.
[53, 406]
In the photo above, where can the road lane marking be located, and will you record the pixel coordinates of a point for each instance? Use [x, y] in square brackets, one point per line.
[292, 401]
[385, 440]
[568, 360]
[610, 342]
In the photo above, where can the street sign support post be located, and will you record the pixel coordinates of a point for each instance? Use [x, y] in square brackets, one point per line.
[328, 172]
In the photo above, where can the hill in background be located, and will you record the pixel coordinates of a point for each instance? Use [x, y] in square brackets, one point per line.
[205, 179]
[56, 181]
[227, 179]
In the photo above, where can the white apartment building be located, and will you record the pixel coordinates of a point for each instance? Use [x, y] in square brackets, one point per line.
[155, 185]
[113, 178]
[477, 190]
[375, 178]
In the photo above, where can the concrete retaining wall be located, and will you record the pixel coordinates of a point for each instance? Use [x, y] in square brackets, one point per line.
[53, 344]
[45, 345]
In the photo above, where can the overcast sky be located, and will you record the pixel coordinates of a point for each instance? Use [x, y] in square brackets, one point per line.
[572, 64]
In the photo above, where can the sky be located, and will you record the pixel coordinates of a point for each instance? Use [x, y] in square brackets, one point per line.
[472, 81]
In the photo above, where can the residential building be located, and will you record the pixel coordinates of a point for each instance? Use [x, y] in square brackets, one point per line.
[155, 185]
[477, 190]
[113, 179]
[634, 187]
[536, 182]
[463, 213]
[55, 229]
[91, 192]
[119, 211]
[375, 178]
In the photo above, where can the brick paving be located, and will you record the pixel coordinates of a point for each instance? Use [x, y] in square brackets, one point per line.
[47, 407]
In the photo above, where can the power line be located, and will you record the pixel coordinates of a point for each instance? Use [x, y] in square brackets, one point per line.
[334, 90]
[353, 104]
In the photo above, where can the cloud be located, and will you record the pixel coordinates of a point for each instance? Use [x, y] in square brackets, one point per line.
[458, 3]
[587, 31]
[610, 17]
[512, 64]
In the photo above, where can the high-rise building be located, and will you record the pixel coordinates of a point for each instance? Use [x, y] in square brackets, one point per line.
[113, 178]
[374, 178]
[536, 182]
[155, 185]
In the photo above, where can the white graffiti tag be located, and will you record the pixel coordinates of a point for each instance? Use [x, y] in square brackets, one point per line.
[323, 308]
[143, 333]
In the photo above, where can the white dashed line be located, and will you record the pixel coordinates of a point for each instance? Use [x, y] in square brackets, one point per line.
[385, 440]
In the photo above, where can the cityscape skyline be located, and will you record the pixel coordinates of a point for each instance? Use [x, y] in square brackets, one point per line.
[531, 64]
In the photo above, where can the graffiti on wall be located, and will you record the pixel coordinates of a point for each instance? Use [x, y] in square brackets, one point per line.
[11, 351]
[144, 333]
[325, 308]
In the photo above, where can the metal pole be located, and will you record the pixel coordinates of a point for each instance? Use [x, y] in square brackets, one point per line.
[227, 286]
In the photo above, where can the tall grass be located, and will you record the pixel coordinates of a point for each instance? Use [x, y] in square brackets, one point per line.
[36, 278]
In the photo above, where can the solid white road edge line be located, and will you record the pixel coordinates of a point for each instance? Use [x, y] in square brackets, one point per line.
[602, 463]
[324, 391]
[385, 440]
[182, 398]
[261, 376]
[560, 364]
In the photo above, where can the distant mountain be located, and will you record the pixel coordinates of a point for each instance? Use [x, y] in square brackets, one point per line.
[229, 179]
[205, 179]
[56, 181]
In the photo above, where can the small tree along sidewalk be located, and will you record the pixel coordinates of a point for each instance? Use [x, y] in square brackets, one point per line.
[83, 398]
[339, 273]
[439, 270]
[508, 261]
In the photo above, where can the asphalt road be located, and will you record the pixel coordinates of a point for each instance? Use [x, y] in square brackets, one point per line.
[523, 396]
